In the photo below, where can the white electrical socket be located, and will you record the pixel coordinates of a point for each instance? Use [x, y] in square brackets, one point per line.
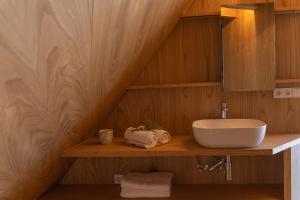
[281, 93]
[296, 92]
[118, 178]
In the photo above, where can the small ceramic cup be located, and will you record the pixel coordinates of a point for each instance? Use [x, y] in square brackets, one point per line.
[106, 136]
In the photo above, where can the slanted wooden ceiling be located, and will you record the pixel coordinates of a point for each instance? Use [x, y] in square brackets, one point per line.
[64, 66]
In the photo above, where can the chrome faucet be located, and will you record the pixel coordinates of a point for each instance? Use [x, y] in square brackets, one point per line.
[227, 161]
[224, 110]
[224, 163]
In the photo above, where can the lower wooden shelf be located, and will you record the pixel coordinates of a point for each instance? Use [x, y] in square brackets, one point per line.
[180, 192]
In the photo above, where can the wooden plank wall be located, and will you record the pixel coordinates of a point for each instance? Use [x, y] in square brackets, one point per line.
[193, 54]
[202, 7]
[64, 66]
[248, 31]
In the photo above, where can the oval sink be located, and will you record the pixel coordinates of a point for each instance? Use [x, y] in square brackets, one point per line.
[229, 133]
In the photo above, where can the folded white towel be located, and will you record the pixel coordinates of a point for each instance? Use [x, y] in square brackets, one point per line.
[148, 138]
[137, 193]
[158, 181]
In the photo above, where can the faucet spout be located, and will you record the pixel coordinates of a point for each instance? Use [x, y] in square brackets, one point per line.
[224, 110]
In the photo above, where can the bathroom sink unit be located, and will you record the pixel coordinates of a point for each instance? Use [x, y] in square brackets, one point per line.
[182, 145]
[229, 133]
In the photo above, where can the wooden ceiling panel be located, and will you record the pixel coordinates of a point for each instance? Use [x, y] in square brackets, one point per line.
[64, 66]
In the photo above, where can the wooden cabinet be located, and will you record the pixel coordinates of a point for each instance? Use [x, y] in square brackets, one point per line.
[248, 33]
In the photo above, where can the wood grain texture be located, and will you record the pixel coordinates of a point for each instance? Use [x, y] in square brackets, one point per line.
[176, 85]
[207, 7]
[287, 160]
[182, 145]
[157, 106]
[175, 109]
[279, 83]
[291, 173]
[64, 66]
[287, 4]
[196, 45]
[287, 81]
[249, 48]
[287, 48]
[191, 192]
[45, 60]
[246, 170]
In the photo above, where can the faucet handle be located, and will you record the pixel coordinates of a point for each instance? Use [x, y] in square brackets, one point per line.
[224, 105]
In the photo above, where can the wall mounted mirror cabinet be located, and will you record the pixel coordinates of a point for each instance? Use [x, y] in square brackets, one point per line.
[248, 32]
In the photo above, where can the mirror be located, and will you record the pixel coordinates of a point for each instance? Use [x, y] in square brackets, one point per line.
[248, 32]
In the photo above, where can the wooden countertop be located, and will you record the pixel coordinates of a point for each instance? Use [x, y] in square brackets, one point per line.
[180, 145]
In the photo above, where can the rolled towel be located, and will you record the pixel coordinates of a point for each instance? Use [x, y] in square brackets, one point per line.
[158, 181]
[163, 136]
[148, 138]
[138, 144]
[137, 193]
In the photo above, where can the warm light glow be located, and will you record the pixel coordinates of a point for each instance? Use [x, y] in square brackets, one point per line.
[249, 16]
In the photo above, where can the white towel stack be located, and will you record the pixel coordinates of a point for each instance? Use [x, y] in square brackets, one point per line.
[146, 138]
[147, 185]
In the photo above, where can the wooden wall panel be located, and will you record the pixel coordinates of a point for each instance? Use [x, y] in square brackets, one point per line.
[279, 114]
[287, 45]
[203, 7]
[200, 57]
[288, 4]
[246, 170]
[64, 66]
[249, 49]
[176, 109]
[172, 108]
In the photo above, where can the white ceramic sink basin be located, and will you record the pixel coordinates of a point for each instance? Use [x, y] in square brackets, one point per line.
[229, 133]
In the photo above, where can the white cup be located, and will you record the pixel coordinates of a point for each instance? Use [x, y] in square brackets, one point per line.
[106, 136]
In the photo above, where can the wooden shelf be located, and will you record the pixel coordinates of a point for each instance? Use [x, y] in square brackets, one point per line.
[176, 85]
[204, 14]
[218, 13]
[180, 192]
[287, 81]
[287, 9]
[180, 145]
[279, 82]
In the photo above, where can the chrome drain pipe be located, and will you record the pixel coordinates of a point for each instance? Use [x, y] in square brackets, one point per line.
[228, 168]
